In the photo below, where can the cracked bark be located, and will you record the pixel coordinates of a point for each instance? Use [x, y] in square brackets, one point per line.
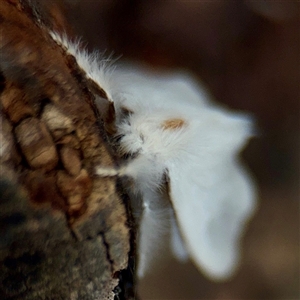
[64, 233]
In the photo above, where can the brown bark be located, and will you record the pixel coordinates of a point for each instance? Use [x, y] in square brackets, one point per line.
[64, 232]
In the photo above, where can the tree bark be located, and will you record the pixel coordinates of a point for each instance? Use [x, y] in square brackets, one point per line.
[64, 232]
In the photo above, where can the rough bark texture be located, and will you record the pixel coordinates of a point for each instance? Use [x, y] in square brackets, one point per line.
[64, 232]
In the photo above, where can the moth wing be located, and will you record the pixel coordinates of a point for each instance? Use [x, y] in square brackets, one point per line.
[154, 222]
[134, 84]
[211, 216]
[177, 245]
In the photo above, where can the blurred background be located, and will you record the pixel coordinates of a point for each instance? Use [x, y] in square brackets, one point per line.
[248, 54]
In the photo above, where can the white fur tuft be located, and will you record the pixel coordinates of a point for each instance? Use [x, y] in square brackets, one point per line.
[95, 66]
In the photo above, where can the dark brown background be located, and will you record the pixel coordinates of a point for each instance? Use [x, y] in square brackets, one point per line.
[248, 53]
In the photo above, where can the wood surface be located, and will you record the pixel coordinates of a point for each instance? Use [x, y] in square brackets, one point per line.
[64, 232]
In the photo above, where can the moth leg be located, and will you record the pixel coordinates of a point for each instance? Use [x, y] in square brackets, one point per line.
[107, 172]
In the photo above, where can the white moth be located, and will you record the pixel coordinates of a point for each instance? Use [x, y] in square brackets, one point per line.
[174, 135]
[172, 129]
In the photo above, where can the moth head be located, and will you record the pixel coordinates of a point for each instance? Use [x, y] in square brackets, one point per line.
[151, 133]
[130, 134]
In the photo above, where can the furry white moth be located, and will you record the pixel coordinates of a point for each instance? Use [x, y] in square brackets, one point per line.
[171, 129]
[173, 134]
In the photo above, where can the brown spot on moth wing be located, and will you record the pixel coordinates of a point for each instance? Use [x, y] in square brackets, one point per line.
[173, 124]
